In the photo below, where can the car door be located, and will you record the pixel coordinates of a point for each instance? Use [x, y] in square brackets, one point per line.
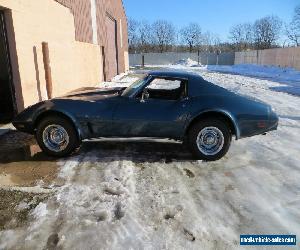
[157, 116]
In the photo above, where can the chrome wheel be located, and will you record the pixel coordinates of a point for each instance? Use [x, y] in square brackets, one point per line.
[55, 138]
[210, 141]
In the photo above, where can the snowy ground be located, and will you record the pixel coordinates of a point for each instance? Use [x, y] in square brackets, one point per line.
[151, 194]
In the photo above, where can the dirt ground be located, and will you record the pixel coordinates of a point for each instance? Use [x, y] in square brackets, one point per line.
[15, 207]
[22, 166]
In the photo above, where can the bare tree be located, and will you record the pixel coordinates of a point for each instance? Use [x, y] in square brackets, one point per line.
[242, 35]
[144, 35]
[266, 31]
[236, 33]
[293, 28]
[216, 44]
[191, 35]
[248, 33]
[163, 34]
[133, 34]
[206, 41]
[210, 42]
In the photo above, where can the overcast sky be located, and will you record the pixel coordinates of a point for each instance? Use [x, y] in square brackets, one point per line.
[216, 16]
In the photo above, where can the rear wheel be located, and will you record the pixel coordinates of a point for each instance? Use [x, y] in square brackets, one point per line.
[209, 139]
[57, 136]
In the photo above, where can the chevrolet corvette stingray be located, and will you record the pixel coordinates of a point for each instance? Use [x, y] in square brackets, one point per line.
[162, 104]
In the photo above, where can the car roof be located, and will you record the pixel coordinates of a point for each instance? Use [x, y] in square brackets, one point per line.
[175, 73]
[197, 85]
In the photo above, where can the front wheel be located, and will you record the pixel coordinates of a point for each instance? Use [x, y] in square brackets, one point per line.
[209, 139]
[57, 136]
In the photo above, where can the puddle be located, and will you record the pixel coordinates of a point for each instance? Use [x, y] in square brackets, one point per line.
[27, 174]
[23, 164]
[5, 180]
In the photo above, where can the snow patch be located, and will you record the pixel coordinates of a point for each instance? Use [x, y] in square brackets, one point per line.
[288, 77]
[187, 62]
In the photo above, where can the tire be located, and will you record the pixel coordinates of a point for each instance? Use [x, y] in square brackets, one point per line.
[216, 132]
[65, 136]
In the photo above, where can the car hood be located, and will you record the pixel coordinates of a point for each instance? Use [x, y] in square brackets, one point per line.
[92, 94]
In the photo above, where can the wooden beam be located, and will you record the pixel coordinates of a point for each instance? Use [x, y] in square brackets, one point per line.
[48, 77]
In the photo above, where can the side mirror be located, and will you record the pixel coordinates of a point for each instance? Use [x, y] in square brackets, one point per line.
[145, 95]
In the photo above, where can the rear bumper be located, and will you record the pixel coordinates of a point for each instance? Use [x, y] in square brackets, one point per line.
[270, 127]
[273, 121]
[273, 126]
[258, 127]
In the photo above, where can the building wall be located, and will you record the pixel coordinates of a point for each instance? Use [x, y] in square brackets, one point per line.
[113, 8]
[81, 9]
[74, 64]
[282, 57]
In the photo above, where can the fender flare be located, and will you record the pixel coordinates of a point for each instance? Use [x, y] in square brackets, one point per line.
[69, 116]
[221, 112]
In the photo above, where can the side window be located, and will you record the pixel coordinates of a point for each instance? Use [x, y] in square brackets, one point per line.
[167, 89]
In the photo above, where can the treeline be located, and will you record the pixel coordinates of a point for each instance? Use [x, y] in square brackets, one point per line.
[163, 36]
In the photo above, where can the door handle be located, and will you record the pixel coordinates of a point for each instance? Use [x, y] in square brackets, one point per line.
[184, 100]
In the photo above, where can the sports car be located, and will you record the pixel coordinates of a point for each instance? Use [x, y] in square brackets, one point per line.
[161, 104]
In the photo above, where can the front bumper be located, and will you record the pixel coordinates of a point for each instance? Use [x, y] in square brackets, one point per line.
[24, 127]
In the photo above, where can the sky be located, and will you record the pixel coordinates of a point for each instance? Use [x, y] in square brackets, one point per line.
[217, 16]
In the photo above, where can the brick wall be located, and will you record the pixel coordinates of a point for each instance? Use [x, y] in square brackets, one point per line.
[81, 9]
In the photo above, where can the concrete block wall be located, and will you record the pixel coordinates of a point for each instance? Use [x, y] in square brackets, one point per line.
[173, 57]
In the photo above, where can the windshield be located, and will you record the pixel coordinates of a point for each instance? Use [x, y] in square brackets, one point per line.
[131, 90]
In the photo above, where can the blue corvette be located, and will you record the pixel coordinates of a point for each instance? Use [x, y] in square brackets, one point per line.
[164, 104]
